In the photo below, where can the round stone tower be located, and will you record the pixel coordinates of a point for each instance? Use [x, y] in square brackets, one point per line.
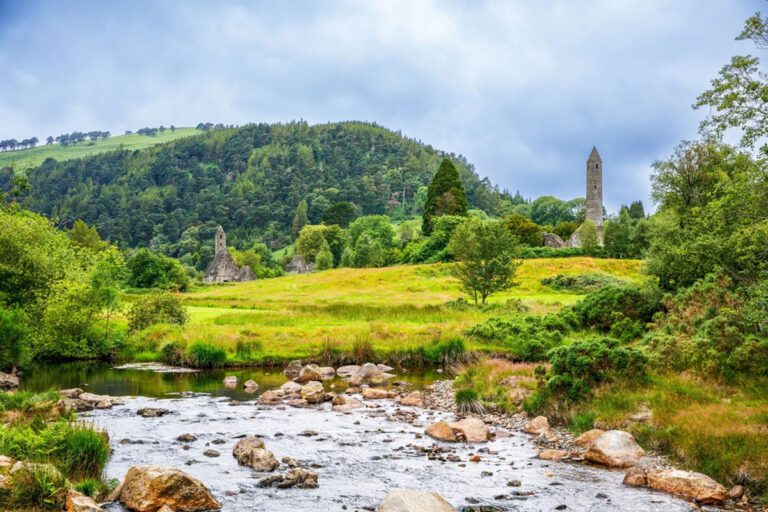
[594, 206]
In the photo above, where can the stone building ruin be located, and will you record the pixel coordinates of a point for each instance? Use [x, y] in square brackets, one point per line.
[223, 268]
[593, 207]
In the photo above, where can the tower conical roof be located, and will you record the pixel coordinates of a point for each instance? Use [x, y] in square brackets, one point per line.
[594, 155]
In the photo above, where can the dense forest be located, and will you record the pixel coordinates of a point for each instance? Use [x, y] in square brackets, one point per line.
[251, 180]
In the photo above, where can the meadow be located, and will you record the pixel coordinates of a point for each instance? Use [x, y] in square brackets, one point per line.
[29, 158]
[393, 310]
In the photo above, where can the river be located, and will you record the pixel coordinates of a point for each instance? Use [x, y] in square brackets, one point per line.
[358, 456]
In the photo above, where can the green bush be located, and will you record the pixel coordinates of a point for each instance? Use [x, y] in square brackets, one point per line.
[582, 283]
[39, 486]
[156, 309]
[84, 452]
[25, 400]
[447, 352]
[150, 270]
[528, 337]
[89, 486]
[468, 402]
[172, 353]
[601, 309]
[578, 367]
[204, 355]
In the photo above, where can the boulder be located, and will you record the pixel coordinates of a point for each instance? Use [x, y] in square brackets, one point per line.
[327, 373]
[187, 438]
[384, 367]
[8, 381]
[635, 477]
[411, 400]
[472, 430]
[313, 392]
[74, 404]
[230, 381]
[553, 455]
[148, 488]
[290, 388]
[376, 394]
[588, 437]
[308, 373]
[368, 374]
[537, 426]
[688, 485]
[441, 431]
[70, 393]
[347, 371]
[615, 448]
[78, 502]
[410, 500]
[250, 386]
[270, 397]
[296, 477]
[346, 404]
[100, 401]
[292, 370]
[252, 452]
[152, 412]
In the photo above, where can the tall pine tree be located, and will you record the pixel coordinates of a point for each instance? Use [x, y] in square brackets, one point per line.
[445, 195]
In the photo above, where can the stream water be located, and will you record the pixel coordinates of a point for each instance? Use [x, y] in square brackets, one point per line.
[358, 456]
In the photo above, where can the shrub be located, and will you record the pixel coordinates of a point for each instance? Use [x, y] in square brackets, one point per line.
[528, 337]
[577, 367]
[89, 486]
[40, 486]
[468, 402]
[26, 400]
[582, 283]
[149, 270]
[601, 309]
[155, 309]
[84, 452]
[204, 355]
[447, 352]
[172, 353]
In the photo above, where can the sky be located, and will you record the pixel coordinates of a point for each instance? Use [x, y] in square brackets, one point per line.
[522, 89]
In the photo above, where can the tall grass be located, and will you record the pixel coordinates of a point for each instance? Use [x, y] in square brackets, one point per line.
[205, 355]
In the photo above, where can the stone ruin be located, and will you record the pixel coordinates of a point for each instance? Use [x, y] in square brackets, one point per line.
[299, 265]
[593, 207]
[223, 268]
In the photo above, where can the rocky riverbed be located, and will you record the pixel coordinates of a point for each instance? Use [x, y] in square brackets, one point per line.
[358, 456]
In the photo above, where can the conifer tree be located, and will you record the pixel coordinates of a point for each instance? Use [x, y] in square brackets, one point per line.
[445, 196]
[300, 219]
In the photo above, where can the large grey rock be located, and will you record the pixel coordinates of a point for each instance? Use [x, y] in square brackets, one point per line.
[368, 374]
[347, 371]
[537, 426]
[252, 452]
[308, 373]
[78, 502]
[615, 448]
[410, 500]
[346, 404]
[688, 485]
[296, 477]
[100, 401]
[290, 388]
[270, 397]
[473, 430]
[313, 392]
[149, 488]
[70, 393]
[292, 370]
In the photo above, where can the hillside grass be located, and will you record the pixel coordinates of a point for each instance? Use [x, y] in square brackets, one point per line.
[29, 158]
[393, 310]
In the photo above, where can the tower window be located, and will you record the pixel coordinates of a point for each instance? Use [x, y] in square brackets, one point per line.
[595, 166]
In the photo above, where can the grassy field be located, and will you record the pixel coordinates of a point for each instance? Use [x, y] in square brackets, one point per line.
[394, 309]
[29, 158]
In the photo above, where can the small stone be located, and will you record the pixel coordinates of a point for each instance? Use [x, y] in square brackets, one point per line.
[211, 453]
[475, 458]
[186, 438]
[635, 477]
[736, 492]
[152, 412]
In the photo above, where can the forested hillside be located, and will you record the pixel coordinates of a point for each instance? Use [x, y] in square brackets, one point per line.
[250, 180]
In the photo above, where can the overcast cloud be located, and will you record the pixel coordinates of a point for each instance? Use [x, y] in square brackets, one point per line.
[522, 89]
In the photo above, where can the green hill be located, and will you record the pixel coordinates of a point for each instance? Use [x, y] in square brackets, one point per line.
[27, 158]
[171, 196]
